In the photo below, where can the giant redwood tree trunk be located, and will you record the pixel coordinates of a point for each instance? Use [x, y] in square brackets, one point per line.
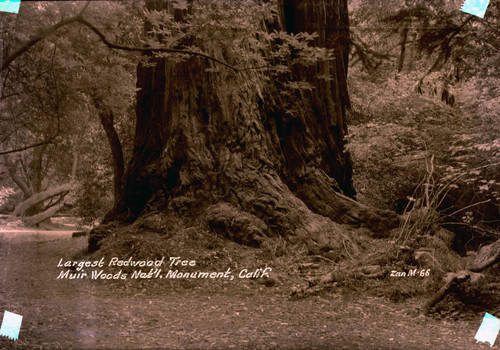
[208, 146]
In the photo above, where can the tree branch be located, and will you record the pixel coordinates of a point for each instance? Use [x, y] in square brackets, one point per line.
[36, 39]
[79, 18]
[52, 202]
[84, 8]
[11, 167]
[47, 214]
[46, 141]
[149, 49]
[15, 150]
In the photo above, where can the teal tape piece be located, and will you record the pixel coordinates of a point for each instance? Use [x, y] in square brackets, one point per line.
[476, 7]
[11, 325]
[488, 330]
[10, 6]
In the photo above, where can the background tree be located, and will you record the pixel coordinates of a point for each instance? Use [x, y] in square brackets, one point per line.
[64, 97]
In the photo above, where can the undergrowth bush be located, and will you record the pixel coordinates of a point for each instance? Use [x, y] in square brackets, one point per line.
[94, 197]
[388, 163]
[7, 200]
[394, 132]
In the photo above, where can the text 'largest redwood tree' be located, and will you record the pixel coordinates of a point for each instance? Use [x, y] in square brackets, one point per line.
[215, 147]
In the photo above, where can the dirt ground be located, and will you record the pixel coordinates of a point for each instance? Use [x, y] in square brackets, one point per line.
[240, 314]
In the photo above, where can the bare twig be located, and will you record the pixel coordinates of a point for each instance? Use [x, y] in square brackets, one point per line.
[467, 207]
[84, 8]
[45, 142]
[343, 242]
[324, 258]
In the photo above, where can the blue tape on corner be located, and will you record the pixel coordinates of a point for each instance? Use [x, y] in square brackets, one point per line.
[488, 330]
[476, 7]
[11, 325]
[10, 6]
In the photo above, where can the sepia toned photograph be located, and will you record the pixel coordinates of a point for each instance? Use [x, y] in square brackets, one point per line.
[250, 174]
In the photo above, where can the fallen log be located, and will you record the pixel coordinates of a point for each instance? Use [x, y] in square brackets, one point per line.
[487, 256]
[456, 280]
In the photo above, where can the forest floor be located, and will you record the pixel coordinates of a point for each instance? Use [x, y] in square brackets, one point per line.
[216, 314]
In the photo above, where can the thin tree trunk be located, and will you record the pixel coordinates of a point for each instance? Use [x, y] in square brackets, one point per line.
[36, 169]
[116, 151]
[404, 39]
[35, 176]
[11, 168]
[106, 117]
[74, 166]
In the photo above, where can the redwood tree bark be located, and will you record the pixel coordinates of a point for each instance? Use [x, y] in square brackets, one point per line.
[211, 146]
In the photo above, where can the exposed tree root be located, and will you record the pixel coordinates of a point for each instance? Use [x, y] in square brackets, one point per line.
[234, 224]
[318, 192]
[488, 256]
[453, 282]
